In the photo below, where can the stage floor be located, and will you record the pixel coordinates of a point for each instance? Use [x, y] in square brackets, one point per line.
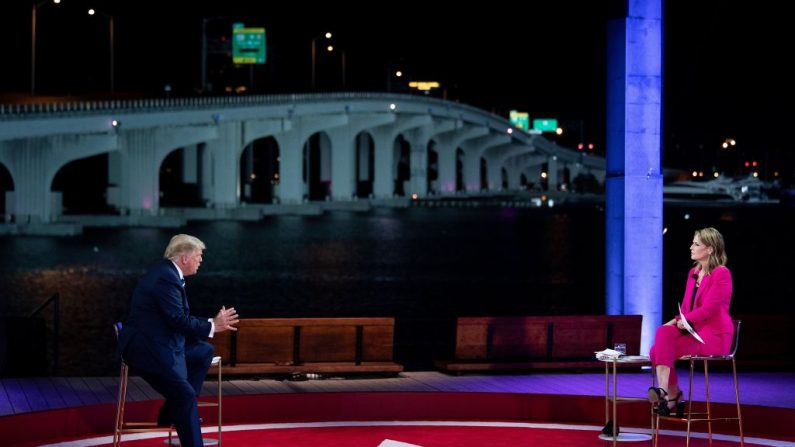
[35, 411]
[22, 395]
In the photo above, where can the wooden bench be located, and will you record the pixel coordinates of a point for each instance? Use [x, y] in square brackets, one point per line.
[308, 345]
[539, 342]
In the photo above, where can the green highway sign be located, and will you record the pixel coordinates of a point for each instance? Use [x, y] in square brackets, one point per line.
[248, 45]
[521, 120]
[545, 124]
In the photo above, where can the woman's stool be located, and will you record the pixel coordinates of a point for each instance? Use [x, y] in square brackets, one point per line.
[707, 416]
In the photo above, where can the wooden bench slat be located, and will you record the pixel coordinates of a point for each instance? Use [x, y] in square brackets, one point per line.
[539, 342]
[263, 344]
[319, 345]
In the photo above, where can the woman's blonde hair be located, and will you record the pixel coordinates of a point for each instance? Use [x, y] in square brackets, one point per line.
[183, 244]
[712, 238]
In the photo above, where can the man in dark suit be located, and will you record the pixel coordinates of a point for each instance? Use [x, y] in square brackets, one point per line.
[163, 343]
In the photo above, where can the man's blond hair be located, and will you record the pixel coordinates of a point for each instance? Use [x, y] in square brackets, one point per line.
[183, 244]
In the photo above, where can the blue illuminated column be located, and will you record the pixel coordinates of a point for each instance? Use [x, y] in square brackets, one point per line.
[634, 181]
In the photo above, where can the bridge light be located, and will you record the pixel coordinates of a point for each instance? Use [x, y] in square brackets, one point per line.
[115, 124]
[509, 130]
[392, 107]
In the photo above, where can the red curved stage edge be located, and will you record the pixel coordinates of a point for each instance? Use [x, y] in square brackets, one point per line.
[76, 422]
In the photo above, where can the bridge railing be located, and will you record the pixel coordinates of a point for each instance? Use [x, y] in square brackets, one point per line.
[435, 106]
[15, 111]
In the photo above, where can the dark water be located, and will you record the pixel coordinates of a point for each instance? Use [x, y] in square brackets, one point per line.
[423, 266]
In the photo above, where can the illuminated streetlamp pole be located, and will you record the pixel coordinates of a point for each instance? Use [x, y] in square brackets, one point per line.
[204, 55]
[314, 54]
[343, 68]
[33, 11]
[92, 12]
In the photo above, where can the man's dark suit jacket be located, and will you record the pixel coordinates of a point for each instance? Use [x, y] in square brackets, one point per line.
[159, 324]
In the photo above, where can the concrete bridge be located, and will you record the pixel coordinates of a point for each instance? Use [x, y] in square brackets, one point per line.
[288, 149]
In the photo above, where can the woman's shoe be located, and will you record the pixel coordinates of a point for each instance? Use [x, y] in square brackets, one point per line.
[657, 395]
[680, 409]
[664, 408]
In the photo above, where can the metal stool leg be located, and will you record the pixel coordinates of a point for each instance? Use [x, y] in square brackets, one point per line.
[220, 398]
[120, 399]
[706, 394]
[737, 400]
[690, 401]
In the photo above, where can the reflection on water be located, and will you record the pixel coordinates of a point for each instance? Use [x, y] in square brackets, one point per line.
[423, 266]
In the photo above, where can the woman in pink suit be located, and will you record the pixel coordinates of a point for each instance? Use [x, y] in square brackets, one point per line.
[706, 306]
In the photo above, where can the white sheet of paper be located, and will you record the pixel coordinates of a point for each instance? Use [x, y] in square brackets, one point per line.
[391, 443]
[687, 325]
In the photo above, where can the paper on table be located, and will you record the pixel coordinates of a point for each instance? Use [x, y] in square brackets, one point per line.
[687, 325]
[608, 354]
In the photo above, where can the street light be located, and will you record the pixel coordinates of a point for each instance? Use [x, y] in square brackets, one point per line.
[327, 35]
[92, 12]
[36, 6]
[392, 71]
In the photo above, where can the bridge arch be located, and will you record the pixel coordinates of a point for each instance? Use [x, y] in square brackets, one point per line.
[6, 185]
[317, 167]
[401, 154]
[259, 171]
[73, 192]
[459, 170]
[365, 164]
[179, 177]
[432, 169]
[484, 174]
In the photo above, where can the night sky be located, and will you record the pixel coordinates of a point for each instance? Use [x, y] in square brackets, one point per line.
[725, 74]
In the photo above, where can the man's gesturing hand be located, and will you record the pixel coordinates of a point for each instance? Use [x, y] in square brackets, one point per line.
[226, 319]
